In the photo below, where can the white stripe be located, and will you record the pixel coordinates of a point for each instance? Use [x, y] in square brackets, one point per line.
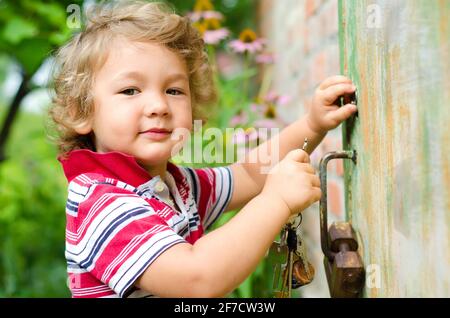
[119, 207]
[72, 270]
[94, 208]
[78, 189]
[91, 289]
[83, 178]
[223, 190]
[71, 213]
[128, 248]
[85, 293]
[165, 212]
[132, 267]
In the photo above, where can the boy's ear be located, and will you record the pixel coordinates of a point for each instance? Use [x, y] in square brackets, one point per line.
[84, 128]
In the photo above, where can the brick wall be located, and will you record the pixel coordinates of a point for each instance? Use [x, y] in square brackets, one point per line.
[304, 36]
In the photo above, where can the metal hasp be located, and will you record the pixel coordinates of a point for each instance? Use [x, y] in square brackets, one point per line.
[343, 265]
[345, 99]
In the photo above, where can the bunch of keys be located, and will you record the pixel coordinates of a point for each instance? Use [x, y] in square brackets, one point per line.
[297, 271]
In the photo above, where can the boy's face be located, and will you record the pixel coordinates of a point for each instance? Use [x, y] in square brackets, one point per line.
[141, 86]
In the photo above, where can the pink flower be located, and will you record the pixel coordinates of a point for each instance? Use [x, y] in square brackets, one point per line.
[239, 119]
[256, 108]
[271, 97]
[283, 100]
[241, 47]
[215, 36]
[274, 98]
[206, 15]
[248, 42]
[212, 15]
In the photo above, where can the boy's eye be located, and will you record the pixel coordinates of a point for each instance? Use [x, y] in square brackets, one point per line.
[174, 91]
[130, 91]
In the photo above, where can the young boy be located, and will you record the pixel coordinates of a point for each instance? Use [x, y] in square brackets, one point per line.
[135, 222]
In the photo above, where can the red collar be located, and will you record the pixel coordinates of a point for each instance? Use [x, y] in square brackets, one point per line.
[114, 165]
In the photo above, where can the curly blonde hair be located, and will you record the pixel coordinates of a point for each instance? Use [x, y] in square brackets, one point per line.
[87, 51]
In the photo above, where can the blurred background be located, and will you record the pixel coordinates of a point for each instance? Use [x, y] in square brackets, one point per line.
[268, 57]
[32, 184]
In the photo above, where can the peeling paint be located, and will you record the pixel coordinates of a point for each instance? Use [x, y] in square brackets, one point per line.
[398, 194]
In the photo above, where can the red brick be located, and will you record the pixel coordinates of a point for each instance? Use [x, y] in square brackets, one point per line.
[310, 7]
[319, 67]
[339, 168]
[333, 18]
[335, 195]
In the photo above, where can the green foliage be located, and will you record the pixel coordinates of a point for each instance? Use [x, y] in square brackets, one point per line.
[32, 219]
[32, 185]
[235, 94]
[239, 14]
[30, 30]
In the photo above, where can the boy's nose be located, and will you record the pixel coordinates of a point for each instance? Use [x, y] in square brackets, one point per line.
[156, 107]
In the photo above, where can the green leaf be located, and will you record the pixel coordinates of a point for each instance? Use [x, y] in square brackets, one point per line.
[52, 13]
[31, 54]
[18, 29]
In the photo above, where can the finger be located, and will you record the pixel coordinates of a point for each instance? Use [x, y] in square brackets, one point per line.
[298, 155]
[315, 181]
[308, 168]
[343, 113]
[333, 80]
[332, 93]
[317, 193]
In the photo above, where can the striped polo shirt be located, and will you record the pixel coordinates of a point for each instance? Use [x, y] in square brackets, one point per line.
[118, 221]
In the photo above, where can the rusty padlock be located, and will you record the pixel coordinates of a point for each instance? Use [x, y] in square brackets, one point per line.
[343, 265]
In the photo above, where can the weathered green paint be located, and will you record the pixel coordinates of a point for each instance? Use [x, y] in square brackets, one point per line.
[398, 193]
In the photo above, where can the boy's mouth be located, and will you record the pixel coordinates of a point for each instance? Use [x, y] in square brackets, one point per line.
[157, 134]
[158, 130]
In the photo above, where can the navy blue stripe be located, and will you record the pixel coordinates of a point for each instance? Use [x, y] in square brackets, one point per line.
[230, 182]
[194, 184]
[83, 195]
[181, 220]
[184, 230]
[207, 223]
[111, 227]
[195, 218]
[106, 233]
[71, 208]
[73, 202]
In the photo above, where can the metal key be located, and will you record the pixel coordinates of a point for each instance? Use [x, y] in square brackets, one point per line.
[279, 253]
[286, 289]
[303, 270]
[296, 255]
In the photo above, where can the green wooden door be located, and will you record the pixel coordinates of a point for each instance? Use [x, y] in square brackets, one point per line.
[398, 193]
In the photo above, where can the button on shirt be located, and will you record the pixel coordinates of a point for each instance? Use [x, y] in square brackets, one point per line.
[120, 219]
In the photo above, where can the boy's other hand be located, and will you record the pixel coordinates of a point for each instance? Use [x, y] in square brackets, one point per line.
[293, 182]
[324, 114]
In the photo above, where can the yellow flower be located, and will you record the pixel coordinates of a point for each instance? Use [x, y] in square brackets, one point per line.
[247, 36]
[203, 5]
[247, 42]
[270, 112]
[207, 25]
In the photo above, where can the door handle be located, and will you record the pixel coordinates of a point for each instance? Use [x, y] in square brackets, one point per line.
[343, 265]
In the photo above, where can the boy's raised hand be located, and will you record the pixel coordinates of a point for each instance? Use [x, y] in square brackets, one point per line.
[293, 182]
[324, 115]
